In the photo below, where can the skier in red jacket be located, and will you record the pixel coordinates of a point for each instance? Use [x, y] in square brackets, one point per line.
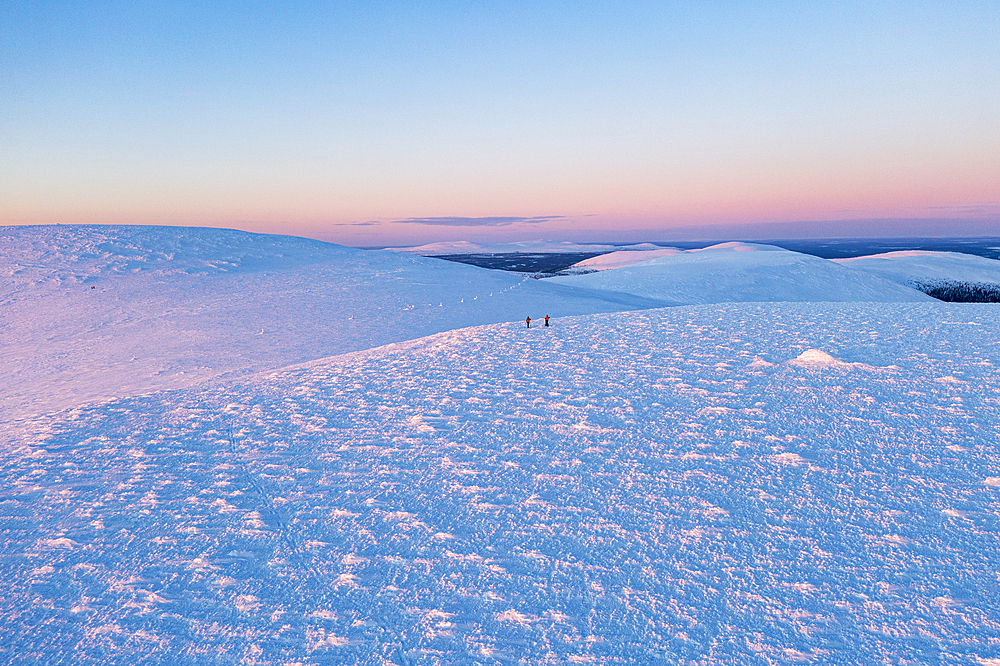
[527, 320]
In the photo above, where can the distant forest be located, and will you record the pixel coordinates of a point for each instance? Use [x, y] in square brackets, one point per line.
[960, 292]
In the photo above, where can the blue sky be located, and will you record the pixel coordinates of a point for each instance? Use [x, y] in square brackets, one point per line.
[338, 120]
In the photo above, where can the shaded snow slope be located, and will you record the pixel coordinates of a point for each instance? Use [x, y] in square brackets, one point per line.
[739, 272]
[924, 267]
[724, 484]
[95, 312]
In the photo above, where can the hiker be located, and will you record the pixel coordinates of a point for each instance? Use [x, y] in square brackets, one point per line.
[527, 320]
[546, 320]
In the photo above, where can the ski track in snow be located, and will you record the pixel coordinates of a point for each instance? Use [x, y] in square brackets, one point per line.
[723, 484]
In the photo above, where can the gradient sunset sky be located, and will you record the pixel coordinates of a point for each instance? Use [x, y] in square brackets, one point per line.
[379, 123]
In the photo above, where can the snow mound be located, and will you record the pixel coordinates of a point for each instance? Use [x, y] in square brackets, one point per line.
[613, 490]
[817, 358]
[94, 312]
[743, 272]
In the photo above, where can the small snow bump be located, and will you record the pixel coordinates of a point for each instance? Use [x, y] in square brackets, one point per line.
[713, 411]
[514, 617]
[817, 358]
[62, 542]
[788, 458]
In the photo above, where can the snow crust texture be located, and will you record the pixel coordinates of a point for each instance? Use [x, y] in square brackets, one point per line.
[716, 484]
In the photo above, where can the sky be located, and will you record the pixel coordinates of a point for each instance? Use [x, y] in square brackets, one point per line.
[382, 123]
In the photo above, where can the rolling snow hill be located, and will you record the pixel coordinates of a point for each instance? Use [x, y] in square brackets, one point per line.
[717, 484]
[102, 311]
[622, 258]
[743, 272]
[467, 247]
[929, 270]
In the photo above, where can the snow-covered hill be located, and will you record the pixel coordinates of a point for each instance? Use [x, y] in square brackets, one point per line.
[467, 247]
[720, 484]
[622, 258]
[741, 272]
[96, 312]
[931, 270]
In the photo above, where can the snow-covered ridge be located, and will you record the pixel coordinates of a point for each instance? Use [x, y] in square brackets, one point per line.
[622, 258]
[84, 252]
[539, 246]
[925, 267]
[641, 253]
[740, 272]
[97, 312]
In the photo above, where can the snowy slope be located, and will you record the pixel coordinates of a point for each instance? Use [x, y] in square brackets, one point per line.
[724, 484]
[739, 272]
[96, 312]
[622, 258]
[924, 267]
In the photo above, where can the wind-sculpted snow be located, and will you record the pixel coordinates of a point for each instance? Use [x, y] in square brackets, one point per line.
[728, 484]
[742, 272]
[91, 313]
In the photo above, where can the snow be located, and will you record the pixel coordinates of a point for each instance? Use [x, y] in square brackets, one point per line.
[926, 267]
[622, 258]
[729, 483]
[741, 272]
[619, 488]
[466, 247]
[96, 312]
